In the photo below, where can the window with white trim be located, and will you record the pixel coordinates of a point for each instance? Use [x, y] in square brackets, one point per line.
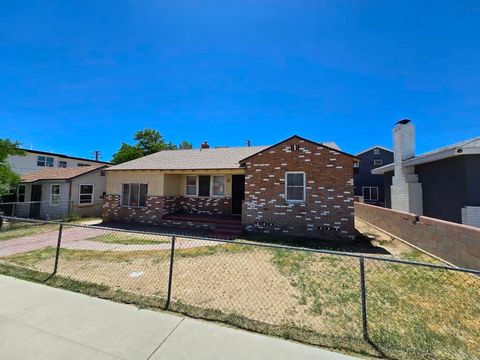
[370, 193]
[295, 186]
[378, 162]
[191, 185]
[45, 161]
[218, 185]
[356, 164]
[376, 151]
[85, 194]
[82, 165]
[54, 194]
[134, 195]
[62, 164]
[21, 193]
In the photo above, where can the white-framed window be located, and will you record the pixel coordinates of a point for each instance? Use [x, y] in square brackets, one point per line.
[85, 194]
[82, 164]
[205, 185]
[45, 161]
[191, 185]
[218, 187]
[356, 164]
[295, 186]
[378, 162]
[376, 151]
[54, 194]
[370, 193]
[62, 164]
[134, 195]
[21, 193]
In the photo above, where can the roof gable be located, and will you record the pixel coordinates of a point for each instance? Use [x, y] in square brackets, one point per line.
[330, 147]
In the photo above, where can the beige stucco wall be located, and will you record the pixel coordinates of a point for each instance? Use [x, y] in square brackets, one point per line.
[154, 179]
[162, 183]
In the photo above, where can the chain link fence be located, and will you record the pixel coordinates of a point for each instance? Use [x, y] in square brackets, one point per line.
[365, 305]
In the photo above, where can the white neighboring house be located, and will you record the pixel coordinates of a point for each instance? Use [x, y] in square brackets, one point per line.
[35, 160]
[56, 193]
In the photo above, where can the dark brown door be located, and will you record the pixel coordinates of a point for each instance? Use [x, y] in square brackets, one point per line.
[35, 201]
[238, 193]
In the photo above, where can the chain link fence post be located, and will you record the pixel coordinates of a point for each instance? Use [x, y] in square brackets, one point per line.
[170, 273]
[57, 254]
[364, 299]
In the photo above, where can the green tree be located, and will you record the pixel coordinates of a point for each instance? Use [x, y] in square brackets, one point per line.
[148, 141]
[185, 145]
[8, 178]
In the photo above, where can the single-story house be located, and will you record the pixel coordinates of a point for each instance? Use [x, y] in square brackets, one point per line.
[443, 183]
[296, 187]
[57, 193]
[367, 185]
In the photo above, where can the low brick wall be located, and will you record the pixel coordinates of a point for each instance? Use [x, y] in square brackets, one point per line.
[456, 243]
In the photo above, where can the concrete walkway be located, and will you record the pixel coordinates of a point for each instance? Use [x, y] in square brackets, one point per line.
[39, 322]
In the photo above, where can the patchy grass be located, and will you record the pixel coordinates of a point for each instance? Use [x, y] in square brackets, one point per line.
[413, 312]
[15, 230]
[129, 239]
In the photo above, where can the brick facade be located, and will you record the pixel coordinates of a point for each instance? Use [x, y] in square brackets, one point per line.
[157, 206]
[197, 205]
[151, 214]
[327, 212]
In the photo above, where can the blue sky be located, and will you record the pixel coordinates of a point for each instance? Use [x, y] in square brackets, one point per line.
[77, 76]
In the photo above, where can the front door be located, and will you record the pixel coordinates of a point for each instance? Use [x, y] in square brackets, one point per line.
[35, 201]
[238, 193]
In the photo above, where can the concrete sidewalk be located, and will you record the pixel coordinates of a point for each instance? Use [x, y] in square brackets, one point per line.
[40, 322]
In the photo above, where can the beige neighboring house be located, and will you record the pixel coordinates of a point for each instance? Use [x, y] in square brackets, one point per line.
[56, 193]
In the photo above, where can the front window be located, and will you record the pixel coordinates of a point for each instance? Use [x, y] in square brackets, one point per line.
[218, 185]
[134, 195]
[21, 193]
[191, 186]
[295, 186]
[86, 194]
[62, 164]
[82, 164]
[45, 161]
[55, 194]
[370, 193]
[377, 162]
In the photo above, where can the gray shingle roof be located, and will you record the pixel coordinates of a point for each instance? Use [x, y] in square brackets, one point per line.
[195, 159]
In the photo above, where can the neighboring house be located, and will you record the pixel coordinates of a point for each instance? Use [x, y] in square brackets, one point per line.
[443, 184]
[371, 187]
[297, 187]
[58, 193]
[35, 160]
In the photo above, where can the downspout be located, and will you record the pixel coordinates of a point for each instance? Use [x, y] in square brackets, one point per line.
[70, 204]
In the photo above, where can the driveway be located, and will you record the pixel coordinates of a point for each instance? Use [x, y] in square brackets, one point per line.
[77, 238]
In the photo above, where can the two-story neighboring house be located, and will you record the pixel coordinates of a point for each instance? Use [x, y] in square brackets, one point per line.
[371, 187]
[36, 160]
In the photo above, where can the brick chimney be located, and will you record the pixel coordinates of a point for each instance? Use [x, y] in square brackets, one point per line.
[406, 191]
[204, 145]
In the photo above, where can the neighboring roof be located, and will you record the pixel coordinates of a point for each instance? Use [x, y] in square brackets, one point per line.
[64, 156]
[374, 147]
[328, 145]
[466, 147]
[194, 159]
[59, 173]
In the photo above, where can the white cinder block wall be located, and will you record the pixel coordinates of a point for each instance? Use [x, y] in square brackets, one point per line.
[471, 215]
